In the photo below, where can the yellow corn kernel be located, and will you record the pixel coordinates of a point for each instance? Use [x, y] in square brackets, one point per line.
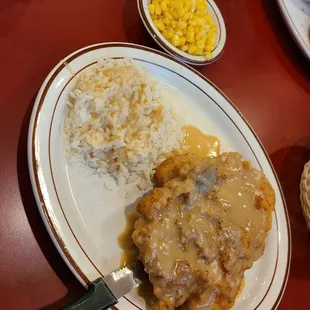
[158, 9]
[179, 32]
[211, 23]
[198, 21]
[203, 18]
[175, 15]
[203, 28]
[201, 43]
[163, 5]
[210, 41]
[177, 5]
[192, 49]
[196, 30]
[174, 24]
[156, 22]
[198, 52]
[201, 4]
[175, 40]
[167, 21]
[160, 25]
[190, 37]
[182, 25]
[201, 34]
[190, 29]
[192, 22]
[168, 15]
[200, 14]
[210, 38]
[209, 17]
[168, 33]
[152, 9]
[181, 13]
[208, 55]
[154, 17]
[211, 33]
[206, 28]
[208, 48]
[186, 16]
[180, 41]
[184, 48]
[200, 7]
[187, 6]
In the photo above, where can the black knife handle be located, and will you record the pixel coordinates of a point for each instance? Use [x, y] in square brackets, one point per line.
[97, 297]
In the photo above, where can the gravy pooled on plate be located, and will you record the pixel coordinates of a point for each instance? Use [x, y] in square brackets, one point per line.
[198, 143]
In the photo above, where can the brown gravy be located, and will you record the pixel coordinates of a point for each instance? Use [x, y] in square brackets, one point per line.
[125, 242]
[130, 256]
[199, 143]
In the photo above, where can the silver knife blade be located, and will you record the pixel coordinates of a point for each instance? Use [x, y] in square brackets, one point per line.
[121, 282]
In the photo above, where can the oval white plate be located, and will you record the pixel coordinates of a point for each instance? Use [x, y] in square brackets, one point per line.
[296, 14]
[174, 51]
[84, 215]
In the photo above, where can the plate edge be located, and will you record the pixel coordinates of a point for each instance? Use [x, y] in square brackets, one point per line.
[76, 54]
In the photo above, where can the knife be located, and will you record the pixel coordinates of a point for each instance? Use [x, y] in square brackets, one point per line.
[105, 292]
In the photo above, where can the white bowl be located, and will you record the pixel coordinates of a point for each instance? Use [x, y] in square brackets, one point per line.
[143, 6]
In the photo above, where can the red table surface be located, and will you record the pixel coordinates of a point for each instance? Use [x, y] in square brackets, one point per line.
[262, 71]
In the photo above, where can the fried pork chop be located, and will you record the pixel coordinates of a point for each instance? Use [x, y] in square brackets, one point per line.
[201, 228]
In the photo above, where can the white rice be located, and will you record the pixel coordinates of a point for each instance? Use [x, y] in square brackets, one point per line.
[117, 123]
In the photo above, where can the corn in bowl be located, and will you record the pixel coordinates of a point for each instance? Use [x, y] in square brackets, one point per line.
[186, 24]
